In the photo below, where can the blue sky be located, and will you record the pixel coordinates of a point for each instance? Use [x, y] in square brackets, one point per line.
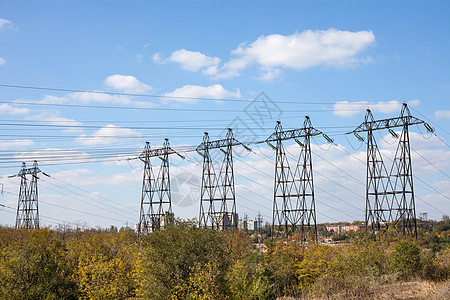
[327, 59]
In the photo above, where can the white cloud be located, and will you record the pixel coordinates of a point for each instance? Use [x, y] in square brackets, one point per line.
[11, 110]
[8, 144]
[53, 156]
[126, 83]
[442, 114]
[107, 135]
[94, 97]
[269, 74]
[53, 119]
[195, 61]
[215, 91]
[310, 48]
[5, 23]
[2, 61]
[158, 59]
[300, 51]
[349, 109]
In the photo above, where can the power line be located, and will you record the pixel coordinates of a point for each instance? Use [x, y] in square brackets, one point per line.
[170, 97]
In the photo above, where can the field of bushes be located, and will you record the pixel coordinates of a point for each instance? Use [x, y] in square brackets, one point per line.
[184, 261]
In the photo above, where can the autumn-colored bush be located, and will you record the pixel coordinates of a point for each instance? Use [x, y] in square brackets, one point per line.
[34, 265]
[106, 265]
[183, 261]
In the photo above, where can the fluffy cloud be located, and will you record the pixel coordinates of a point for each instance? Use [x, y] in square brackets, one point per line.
[2, 61]
[271, 53]
[187, 92]
[195, 61]
[107, 135]
[126, 83]
[442, 114]
[349, 109]
[302, 50]
[10, 144]
[6, 109]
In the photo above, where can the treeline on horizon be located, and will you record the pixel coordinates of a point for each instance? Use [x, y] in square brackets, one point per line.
[183, 261]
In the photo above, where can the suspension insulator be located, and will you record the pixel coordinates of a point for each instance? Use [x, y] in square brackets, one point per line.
[300, 143]
[393, 133]
[330, 140]
[247, 148]
[360, 138]
[272, 146]
[428, 127]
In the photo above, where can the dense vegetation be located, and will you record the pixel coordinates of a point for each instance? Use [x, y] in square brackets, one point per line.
[186, 262]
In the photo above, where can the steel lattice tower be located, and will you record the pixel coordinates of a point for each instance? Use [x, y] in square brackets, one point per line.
[156, 199]
[294, 207]
[27, 208]
[282, 206]
[390, 198]
[378, 187]
[402, 181]
[303, 176]
[218, 197]
[208, 191]
[226, 185]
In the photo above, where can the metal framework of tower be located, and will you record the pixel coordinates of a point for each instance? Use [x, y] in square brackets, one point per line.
[218, 197]
[156, 198]
[294, 208]
[27, 207]
[259, 227]
[390, 196]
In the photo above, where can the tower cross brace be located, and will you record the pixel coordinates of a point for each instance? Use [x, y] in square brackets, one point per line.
[390, 199]
[156, 198]
[218, 197]
[27, 207]
[294, 209]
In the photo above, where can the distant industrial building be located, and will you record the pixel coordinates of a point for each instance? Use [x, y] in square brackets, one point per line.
[337, 229]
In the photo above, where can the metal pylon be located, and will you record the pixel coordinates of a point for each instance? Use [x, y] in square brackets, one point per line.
[390, 199]
[27, 208]
[218, 198]
[156, 200]
[378, 213]
[282, 206]
[402, 181]
[294, 208]
[303, 178]
[210, 215]
[226, 185]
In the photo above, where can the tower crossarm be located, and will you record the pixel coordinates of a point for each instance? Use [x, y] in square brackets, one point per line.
[293, 133]
[218, 144]
[157, 152]
[166, 150]
[387, 124]
[29, 171]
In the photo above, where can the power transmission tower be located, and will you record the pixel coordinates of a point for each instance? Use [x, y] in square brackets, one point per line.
[218, 197]
[402, 178]
[378, 212]
[27, 208]
[303, 176]
[259, 226]
[294, 201]
[390, 197]
[156, 198]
